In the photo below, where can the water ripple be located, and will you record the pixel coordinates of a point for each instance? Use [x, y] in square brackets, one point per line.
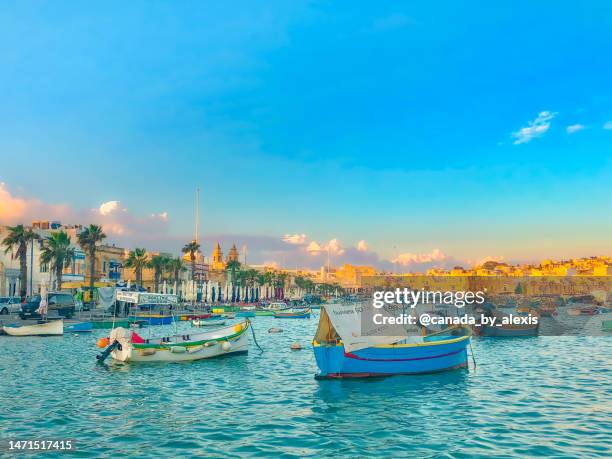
[541, 396]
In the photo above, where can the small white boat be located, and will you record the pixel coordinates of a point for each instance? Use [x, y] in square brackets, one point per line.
[47, 328]
[208, 322]
[127, 346]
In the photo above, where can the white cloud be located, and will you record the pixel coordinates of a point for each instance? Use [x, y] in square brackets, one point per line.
[313, 247]
[334, 247]
[297, 239]
[536, 128]
[408, 258]
[608, 125]
[362, 246]
[575, 128]
[108, 207]
[162, 216]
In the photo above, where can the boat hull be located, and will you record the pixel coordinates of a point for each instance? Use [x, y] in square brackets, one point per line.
[81, 327]
[153, 319]
[188, 317]
[223, 343]
[264, 312]
[107, 324]
[292, 316]
[208, 322]
[246, 314]
[334, 362]
[51, 328]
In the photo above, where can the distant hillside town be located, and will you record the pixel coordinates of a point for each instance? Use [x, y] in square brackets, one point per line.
[40, 245]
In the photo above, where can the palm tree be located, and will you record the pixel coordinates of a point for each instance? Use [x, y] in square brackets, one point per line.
[17, 242]
[191, 249]
[175, 266]
[88, 239]
[267, 278]
[57, 253]
[158, 264]
[280, 283]
[138, 260]
[232, 266]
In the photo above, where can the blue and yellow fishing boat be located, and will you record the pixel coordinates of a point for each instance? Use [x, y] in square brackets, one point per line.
[442, 351]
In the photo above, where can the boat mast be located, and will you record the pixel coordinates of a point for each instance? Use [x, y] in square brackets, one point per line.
[197, 216]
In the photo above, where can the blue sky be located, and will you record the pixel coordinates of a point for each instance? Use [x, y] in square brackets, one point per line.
[390, 122]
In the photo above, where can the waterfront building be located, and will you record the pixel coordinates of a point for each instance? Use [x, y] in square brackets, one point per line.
[349, 276]
[39, 273]
[217, 263]
[233, 254]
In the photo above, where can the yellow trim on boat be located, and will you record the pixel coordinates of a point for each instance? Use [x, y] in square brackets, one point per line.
[431, 343]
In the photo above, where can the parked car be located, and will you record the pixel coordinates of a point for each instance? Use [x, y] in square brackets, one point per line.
[9, 305]
[58, 303]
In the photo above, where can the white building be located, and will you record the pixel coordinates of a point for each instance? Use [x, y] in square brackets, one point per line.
[10, 282]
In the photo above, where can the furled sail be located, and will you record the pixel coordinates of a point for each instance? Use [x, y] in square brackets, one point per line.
[354, 323]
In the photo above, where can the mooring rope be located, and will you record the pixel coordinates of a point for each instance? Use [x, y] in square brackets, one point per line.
[253, 333]
[472, 352]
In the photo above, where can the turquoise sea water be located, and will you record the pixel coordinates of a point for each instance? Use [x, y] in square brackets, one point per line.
[527, 397]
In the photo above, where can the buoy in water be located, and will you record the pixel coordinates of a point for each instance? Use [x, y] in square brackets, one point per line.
[275, 330]
[103, 342]
[296, 347]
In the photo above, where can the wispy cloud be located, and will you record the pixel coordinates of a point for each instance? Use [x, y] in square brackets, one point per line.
[572, 128]
[117, 221]
[296, 239]
[408, 258]
[535, 128]
[362, 246]
[608, 125]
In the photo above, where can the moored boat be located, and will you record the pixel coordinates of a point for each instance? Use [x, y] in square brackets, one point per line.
[188, 317]
[108, 324]
[341, 352]
[153, 319]
[127, 346]
[293, 314]
[269, 309]
[79, 327]
[245, 314]
[43, 328]
[220, 309]
[208, 322]
[583, 311]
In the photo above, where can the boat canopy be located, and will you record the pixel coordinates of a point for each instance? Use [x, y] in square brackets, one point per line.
[145, 298]
[343, 321]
